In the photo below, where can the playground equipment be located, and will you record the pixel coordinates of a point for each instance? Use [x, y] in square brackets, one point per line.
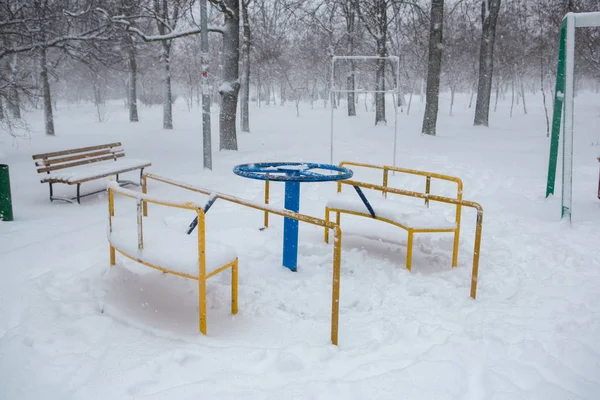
[337, 248]
[394, 91]
[412, 218]
[6, 211]
[563, 104]
[292, 173]
[183, 256]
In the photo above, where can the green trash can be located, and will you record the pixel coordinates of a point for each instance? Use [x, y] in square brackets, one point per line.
[6, 213]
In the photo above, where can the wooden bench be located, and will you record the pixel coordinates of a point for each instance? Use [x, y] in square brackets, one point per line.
[76, 166]
[384, 206]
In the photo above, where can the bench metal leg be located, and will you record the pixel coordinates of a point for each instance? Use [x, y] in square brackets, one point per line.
[79, 193]
[51, 193]
[234, 287]
[326, 237]
[409, 250]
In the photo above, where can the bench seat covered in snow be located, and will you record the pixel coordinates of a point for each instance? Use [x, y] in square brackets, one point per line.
[150, 242]
[79, 165]
[393, 208]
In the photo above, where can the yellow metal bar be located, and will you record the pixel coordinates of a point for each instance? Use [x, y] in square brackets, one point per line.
[459, 202]
[326, 236]
[389, 221]
[427, 189]
[457, 233]
[385, 180]
[185, 206]
[404, 170]
[335, 290]
[145, 191]
[234, 287]
[277, 211]
[202, 271]
[475, 272]
[165, 270]
[113, 256]
[266, 202]
[111, 213]
[223, 268]
[283, 213]
[140, 229]
[409, 248]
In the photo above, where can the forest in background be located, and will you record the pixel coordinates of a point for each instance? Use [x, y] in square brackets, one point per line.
[270, 52]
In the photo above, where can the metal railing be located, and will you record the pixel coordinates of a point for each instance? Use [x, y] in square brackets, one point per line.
[337, 249]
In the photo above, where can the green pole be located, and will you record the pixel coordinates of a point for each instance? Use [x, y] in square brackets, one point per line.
[6, 213]
[559, 98]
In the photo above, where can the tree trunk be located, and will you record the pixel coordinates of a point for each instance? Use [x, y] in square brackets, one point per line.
[48, 117]
[132, 89]
[434, 67]
[380, 83]
[351, 81]
[523, 96]
[167, 94]
[245, 109]
[489, 17]
[230, 88]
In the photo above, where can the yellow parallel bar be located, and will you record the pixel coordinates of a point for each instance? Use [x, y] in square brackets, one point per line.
[335, 289]
[337, 250]
[237, 200]
[266, 202]
[404, 170]
[186, 206]
[165, 270]
[111, 213]
[385, 180]
[427, 189]
[459, 203]
[223, 268]
[145, 191]
[202, 271]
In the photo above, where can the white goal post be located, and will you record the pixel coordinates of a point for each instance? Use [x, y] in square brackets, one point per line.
[394, 91]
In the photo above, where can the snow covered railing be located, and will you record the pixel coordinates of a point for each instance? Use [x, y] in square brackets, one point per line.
[153, 247]
[399, 214]
[337, 249]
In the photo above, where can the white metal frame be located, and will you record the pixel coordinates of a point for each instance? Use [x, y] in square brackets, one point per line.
[394, 91]
[574, 20]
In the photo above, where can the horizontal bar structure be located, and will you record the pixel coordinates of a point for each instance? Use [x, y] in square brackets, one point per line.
[586, 20]
[337, 250]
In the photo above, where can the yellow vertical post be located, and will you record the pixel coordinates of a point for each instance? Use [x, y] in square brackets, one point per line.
[266, 202]
[326, 237]
[140, 230]
[202, 271]
[385, 181]
[234, 287]
[457, 231]
[427, 190]
[338, 218]
[335, 297]
[145, 191]
[409, 248]
[477, 248]
[111, 213]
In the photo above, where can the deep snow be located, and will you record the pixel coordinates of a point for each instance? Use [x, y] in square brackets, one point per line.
[71, 328]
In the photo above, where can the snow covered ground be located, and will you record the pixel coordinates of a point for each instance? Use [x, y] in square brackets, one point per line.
[71, 328]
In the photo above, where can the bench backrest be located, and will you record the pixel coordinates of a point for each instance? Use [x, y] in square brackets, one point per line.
[49, 162]
[385, 177]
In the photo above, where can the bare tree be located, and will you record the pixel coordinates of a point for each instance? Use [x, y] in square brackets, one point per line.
[489, 16]
[434, 67]
[245, 88]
